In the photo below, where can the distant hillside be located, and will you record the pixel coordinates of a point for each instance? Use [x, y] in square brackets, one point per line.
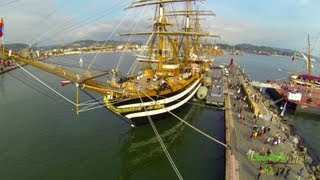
[83, 43]
[249, 48]
[77, 44]
[90, 43]
[265, 49]
[16, 46]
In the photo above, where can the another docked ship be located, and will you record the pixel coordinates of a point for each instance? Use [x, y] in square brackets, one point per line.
[301, 93]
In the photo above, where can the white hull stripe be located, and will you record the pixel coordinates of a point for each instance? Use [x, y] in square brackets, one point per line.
[162, 101]
[163, 110]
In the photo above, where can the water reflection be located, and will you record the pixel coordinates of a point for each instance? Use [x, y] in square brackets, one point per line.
[142, 146]
[305, 126]
[3, 98]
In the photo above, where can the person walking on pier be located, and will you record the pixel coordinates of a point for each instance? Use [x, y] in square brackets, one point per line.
[254, 119]
[298, 176]
[260, 171]
[301, 171]
[287, 173]
[282, 170]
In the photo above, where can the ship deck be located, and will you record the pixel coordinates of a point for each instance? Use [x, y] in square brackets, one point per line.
[308, 93]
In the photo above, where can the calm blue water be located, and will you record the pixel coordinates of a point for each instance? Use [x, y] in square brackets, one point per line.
[41, 137]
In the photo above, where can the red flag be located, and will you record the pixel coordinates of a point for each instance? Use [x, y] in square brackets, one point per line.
[1, 27]
[231, 62]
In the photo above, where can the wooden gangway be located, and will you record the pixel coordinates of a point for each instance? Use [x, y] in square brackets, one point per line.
[265, 85]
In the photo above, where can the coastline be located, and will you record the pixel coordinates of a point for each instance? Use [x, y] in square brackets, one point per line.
[8, 69]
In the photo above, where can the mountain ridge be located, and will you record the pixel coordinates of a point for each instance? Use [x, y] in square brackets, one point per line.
[245, 47]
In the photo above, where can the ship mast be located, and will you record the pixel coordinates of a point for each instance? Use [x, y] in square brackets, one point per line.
[1, 44]
[187, 34]
[161, 38]
[187, 29]
[309, 57]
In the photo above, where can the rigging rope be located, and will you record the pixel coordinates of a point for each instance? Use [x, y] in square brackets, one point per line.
[34, 77]
[314, 45]
[162, 143]
[201, 132]
[70, 66]
[88, 109]
[135, 64]
[130, 37]
[31, 84]
[82, 23]
[62, 58]
[89, 103]
[8, 2]
[59, 94]
[196, 129]
[112, 33]
[56, 27]
[200, 105]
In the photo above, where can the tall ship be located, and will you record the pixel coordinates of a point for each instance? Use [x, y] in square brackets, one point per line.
[174, 65]
[302, 92]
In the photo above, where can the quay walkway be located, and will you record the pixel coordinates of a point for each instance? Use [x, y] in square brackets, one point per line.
[239, 164]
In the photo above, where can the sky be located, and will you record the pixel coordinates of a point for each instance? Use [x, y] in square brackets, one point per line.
[278, 23]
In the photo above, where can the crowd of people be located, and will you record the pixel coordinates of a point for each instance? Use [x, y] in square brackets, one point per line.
[259, 128]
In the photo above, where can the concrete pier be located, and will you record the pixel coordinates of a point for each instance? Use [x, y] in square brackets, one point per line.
[242, 104]
[232, 165]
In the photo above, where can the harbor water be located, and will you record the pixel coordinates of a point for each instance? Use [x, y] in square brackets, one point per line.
[41, 137]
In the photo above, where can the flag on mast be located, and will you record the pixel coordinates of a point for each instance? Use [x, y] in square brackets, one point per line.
[1, 27]
[293, 55]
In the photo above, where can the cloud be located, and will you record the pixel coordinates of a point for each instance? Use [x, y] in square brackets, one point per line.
[302, 2]
[249, 31]
[276, 22]
[27, 20]
[30, 21]
[231, 31]
[101, 29]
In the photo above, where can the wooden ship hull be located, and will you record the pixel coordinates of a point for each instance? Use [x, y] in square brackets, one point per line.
[307, 97]
[139, 112]
[302, 92]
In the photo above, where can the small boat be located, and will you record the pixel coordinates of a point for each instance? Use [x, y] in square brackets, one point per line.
[65, 82]
[81, 62]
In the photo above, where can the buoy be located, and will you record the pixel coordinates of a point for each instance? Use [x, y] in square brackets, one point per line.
[81, 62]
[202, 92]
[207, 81]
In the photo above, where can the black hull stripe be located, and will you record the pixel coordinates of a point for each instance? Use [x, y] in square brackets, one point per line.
[146, 99]
[175, 105]
[166, 105]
